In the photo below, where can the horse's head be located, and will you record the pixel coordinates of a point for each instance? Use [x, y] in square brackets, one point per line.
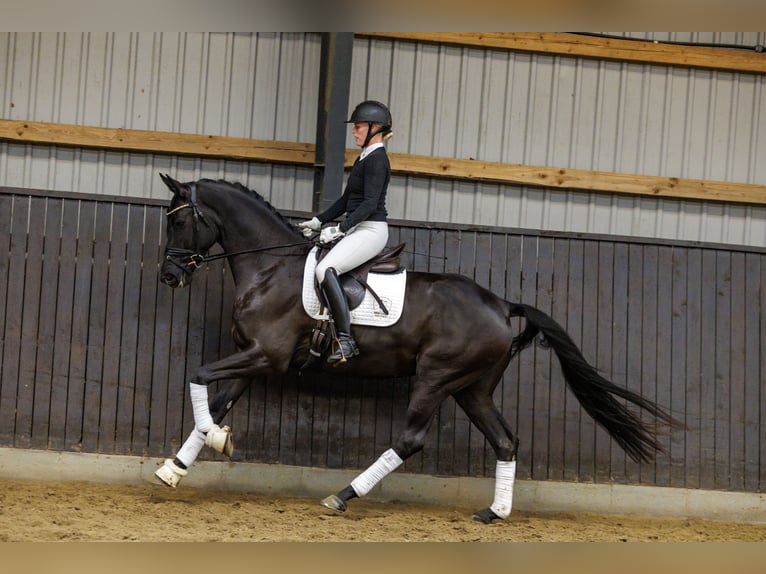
[190, 233]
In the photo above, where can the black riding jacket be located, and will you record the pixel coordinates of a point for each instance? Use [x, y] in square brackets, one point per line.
[364, 198]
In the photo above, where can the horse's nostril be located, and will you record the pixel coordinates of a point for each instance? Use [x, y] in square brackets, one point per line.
[169, 279]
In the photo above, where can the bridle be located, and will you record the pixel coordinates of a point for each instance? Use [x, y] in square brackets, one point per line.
[188, 260]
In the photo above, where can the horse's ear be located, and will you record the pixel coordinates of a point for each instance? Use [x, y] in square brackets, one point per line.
[175, 186]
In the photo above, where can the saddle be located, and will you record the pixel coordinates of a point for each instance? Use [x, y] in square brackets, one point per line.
[354, 282]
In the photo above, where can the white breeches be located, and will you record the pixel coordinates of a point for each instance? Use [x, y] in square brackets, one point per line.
[361, 243]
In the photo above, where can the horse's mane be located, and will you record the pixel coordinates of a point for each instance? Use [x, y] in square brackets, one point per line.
[255, 195]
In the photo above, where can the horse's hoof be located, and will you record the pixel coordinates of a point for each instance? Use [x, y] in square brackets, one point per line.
[219, 439]
[334, 503]
[170, 474]
[485, 516]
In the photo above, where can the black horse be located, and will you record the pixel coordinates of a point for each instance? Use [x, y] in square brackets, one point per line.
[464, 357]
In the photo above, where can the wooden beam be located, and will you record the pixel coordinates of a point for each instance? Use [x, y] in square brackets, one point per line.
[645, 52]
[577, 179]
[156, 142]
[28, 132]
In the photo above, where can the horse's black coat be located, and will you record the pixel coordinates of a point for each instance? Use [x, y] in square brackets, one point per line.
[454, 337]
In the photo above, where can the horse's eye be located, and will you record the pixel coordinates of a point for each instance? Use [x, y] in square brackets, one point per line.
[178, 222]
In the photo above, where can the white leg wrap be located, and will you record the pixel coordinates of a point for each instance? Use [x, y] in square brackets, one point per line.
[388, 462]
[202, 419]
[505, 474]
[191, 448]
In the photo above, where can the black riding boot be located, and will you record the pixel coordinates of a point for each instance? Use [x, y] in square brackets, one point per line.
[345, 346]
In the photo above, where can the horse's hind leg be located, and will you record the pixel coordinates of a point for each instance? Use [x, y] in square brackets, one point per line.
[172, 471]
[420, 413]
[481, 409]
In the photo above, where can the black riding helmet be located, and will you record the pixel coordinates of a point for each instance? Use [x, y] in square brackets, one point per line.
[372, 112]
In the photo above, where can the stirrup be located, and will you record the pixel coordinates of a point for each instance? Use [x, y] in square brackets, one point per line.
[219, 439]
[170, 473]
[345, 348]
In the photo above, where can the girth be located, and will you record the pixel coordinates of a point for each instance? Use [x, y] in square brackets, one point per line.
[354, 282]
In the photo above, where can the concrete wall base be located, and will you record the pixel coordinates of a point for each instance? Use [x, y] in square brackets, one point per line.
[476, 493]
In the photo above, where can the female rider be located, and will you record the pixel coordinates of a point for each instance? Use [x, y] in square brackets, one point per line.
[364, 231]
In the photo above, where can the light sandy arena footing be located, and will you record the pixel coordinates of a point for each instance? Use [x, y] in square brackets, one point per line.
[540, 496]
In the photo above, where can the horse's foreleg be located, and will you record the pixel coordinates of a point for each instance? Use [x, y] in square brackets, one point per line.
[206, 430]
[174, 470]
[242, 365]
[218, 438]
[420, 413]
[221, 405]
[483, 412]
[224, 401]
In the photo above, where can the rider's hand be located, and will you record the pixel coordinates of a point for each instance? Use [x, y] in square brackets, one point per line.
[310, 227]
[330, 234]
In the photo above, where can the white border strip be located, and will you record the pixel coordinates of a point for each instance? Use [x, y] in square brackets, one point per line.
[469, 492]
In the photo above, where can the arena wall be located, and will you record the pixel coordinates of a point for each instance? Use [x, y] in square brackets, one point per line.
[96, 353]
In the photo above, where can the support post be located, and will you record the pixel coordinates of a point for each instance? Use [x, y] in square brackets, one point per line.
[334, 84]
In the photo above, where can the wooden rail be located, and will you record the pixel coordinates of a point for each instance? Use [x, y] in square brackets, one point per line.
[576, 179]
[156, 142]
[646, 52]
[21, 131]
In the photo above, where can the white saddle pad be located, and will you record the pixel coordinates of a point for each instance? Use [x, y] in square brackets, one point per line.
[388, 286]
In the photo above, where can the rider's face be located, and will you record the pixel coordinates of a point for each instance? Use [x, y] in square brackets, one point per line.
[359, 131]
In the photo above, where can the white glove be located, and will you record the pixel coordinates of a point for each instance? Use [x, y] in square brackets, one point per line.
[310, 227]
[330, 234]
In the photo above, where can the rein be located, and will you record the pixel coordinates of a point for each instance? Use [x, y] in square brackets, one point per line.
[195, 258]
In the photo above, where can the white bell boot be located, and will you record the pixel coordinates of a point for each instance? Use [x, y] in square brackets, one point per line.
[170, 473]
[219, 439]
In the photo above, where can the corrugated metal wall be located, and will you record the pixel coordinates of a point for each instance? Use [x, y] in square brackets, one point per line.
[261, 86]
[96, 353]
[511, 107]
[488, 104]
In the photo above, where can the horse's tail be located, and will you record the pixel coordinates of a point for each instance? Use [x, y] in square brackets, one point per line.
[594, 392]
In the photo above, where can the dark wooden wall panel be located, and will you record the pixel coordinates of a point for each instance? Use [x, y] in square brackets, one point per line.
[574, 325]
[145, 344]
[751, 396]
[588, 342]
[762, 374]
[557, 393]
[690, 381]
[78, 339]
[97, 354]
[619, 333]
[12, 331]
[67, 349]
[664, 351]
[7, 293]
[30, 323]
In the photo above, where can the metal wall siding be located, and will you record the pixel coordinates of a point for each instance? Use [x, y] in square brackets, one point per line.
[449, 101]
[261, 86]
[193, 82]
[578, 113]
